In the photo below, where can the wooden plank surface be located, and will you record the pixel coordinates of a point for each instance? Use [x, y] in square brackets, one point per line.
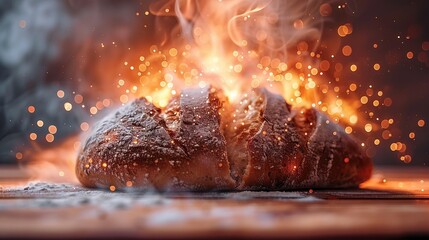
[395, 202]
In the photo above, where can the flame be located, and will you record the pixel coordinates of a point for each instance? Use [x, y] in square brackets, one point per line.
[56, 164]
[234, 45]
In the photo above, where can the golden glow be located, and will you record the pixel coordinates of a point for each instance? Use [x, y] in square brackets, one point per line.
[376, 103]
[60, 93]
[40, 123]
[31, 109]
[49, 137]
[344, 30]
[364, 99]
[368, 127]
[78, 99]
[123, 99]
[353, 119]
[106, 102]
[347, 50]
[376, 67]
[325, 9]
[84, 126]
[173, 52]
[93, 110]
[52, 129]
[377, 141]
[68, 106]
[19, 155]
[349, 130]
[129, 184]
[33, 136]
[324, 65]
[226, 45]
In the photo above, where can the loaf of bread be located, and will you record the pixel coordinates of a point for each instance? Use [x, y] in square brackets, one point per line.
[201, 142]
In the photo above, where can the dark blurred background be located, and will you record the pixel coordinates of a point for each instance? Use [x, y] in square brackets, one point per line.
[47, 46]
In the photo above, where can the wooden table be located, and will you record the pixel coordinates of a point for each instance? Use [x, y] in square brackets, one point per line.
[394, 203]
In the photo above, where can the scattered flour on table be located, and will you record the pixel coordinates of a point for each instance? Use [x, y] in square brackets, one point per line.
[62, 195]
[53, 195]
[160, 210]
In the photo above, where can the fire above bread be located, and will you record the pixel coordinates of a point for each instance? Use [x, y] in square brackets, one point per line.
[201, 142]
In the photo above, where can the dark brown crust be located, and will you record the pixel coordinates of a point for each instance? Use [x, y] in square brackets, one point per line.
[243, 122]
[185, 148]
[138, 147]
[333, 158]
[199, 133]
[298, 149]
[273, 150]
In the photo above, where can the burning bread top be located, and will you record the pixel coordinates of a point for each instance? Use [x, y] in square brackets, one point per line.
[201, 143]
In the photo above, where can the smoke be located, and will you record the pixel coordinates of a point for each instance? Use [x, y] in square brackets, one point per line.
[50, 45]
[269, 27]
[252, 30]
[46, 46]
[29, 40]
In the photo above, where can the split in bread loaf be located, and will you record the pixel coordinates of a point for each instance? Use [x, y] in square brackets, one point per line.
[201, 142]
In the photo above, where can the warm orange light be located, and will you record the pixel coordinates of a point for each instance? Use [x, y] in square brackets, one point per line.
[84, 126]
[376, 67]
[68, 106]
[33, 136]
[40, 123]
[78, 99]
[19, 155]
[60, 93]
[49, 137]
[31, 109]
[347, 50]
[52, 129]
[229, 48]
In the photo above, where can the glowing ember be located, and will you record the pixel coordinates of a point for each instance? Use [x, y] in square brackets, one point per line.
[238, 45]
[31, 109]
[68, 107]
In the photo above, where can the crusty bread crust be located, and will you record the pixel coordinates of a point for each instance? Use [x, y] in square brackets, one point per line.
[201, 143]
[181, 150]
